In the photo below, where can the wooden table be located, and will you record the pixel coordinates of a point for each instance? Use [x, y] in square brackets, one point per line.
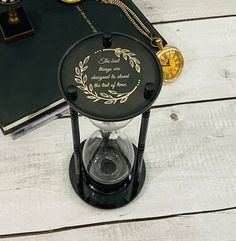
[190, 190]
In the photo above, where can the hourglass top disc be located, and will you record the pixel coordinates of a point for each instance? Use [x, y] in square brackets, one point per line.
[113, 83]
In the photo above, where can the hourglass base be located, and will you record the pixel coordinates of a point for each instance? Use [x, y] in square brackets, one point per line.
[106, 196]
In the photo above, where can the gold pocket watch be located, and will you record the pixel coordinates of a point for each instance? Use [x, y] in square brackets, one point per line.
[171, 60]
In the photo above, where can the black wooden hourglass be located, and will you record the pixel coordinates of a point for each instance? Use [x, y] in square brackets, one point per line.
[109, 78]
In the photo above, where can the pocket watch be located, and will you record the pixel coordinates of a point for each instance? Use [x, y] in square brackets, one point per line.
[171, 60]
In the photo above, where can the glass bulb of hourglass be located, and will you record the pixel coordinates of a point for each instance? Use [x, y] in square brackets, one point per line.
[108, 156]
[110, 126]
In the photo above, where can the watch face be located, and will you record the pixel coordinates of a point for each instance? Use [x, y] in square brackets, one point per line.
[8, 2]
[172, 63]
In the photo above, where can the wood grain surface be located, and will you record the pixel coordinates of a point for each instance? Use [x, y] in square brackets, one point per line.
[190, 167]
[209, 51]
[209, 227]
[190, 155]
[165, 11]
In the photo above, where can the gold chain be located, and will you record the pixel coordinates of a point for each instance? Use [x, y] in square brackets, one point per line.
[135, 20]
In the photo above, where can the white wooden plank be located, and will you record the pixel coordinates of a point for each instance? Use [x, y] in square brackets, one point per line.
[208, 227]
[190, 167]
[210, 58]
[162, 10]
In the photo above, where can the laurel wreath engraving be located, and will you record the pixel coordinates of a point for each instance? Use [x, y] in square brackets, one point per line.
[128, 56]
[112, 97]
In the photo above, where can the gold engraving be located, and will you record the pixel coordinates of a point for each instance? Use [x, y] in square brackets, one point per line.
[86, 19]
[111, 96]
[128, 56]
[13, 15]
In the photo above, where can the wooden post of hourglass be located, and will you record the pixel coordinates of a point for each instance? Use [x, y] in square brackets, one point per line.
[14, 24]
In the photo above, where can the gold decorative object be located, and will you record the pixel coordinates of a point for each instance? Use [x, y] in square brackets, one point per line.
[15, 23]
[171, 59]
[13, 15]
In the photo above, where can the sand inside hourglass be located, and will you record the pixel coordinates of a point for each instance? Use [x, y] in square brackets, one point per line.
[108, 156]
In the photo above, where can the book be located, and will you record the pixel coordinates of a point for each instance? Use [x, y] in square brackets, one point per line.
[28, 75]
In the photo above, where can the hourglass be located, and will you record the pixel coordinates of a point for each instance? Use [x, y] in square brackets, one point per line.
[109, 78]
